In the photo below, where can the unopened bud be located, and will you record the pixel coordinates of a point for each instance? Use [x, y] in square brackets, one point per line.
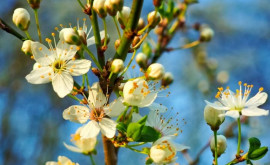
[223, 77]
[157, 3]
[221, 144]
[99, 7]
[117, 66]
[34, 3]
[213, 118]
[83, 36]
[206, 33]
[26, 47]
[118, 4]
[21, 18]
[110, 8]
[117, 44]
[140, 24]
[70, 36]
[123, 16]
[153, 19]
[167, 79]
[135, 41]
[155, 71]
[141, 60]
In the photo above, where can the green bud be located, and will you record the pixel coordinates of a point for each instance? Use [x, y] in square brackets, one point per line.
[221, 144]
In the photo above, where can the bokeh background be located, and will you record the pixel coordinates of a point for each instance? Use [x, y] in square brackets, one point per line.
[32, 130]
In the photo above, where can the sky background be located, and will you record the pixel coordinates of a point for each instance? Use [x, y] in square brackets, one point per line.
[33, 130]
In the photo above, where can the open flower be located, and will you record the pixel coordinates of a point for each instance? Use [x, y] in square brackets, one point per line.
[164, 150]
[138, 93]
[97, 111]
[238, 103]
[57, 66]
[81, 145]
[62, 160]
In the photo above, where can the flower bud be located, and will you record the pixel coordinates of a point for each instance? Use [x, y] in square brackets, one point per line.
[155, 71]
[34, 3]
[141, 60]
[117, 66]
[110, 8]
[118, 4]
[213, 118]
[167, 79]
[153, 19]
[135, 41]
[223, 77]
[99, 7]
[140, 24]
[221, 144]
[26, 47]
[21, 18]
[70, 36]
[206, 33]
[157, 3]
[117, 43]
[83, 36]
[123, 16]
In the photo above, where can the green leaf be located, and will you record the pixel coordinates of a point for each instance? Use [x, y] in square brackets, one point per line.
[149, 134]
[254, 144]
[258, 153]
[143, 120]
[134, 131]
[121, 127]
[249, 162]
[146, 49]
[149, 161]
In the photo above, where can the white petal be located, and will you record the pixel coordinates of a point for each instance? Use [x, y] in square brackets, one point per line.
[216, 106]
[257, 100]
[51, 163]
[136, 117]
[108, 127]
[255, 112]
[62, 84]
[155, 106]
[180, 147]
[77, 114]
[65, 51]
[64, 160]
[96, 97]
[42, 54]
[73, 148]
[152, 118]
[90, 130]
[40, 75]
[115, 108]
[232, 113]
[78, 67]
[148, 100]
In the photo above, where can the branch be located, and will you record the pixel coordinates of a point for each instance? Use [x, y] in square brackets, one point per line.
[10, 30]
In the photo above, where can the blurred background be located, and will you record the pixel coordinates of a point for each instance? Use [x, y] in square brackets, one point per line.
[32, 130]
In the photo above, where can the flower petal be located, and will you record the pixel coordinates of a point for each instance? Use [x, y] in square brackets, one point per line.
[65, 51]
[62, 84]
[42, 54]
[96, 97]
[136, 117]
[254, 111]
[91, 41]
[51, 163]
[180, 147]
[40, 75]
[216, 106]
[90, 130]
[257, 100]
[73, 148]
[231, 113]
[78, 67]
[115, 108]
[159, 107]
[77, 114]
[108, 127]
[148, 100]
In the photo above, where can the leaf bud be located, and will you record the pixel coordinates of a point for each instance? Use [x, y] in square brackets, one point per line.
[21, 18]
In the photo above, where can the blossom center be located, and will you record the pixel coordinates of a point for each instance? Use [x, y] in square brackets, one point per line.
[97, 114]
[59, 66]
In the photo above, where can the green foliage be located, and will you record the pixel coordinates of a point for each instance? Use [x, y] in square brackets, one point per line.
[149, 161]
[149, 134]
[255, 151]
[134, 131]
[121, 127]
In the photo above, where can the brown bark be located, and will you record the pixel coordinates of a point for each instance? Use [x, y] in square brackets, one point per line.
[110, 152]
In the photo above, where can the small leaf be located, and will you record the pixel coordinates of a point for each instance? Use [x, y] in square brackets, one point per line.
[121, 127]
[149, 161]
[142, 120]
[149, 134]
[254, 144]
[134, 131]
[258, 153]
[249, 162]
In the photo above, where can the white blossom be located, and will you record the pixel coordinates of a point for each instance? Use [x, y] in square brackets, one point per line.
[62, 160]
